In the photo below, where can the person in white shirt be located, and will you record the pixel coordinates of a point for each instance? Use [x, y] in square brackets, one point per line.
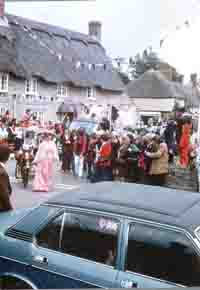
[3, 132]
[19, 137]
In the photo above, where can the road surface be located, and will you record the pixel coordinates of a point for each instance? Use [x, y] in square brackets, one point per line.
[24, 198]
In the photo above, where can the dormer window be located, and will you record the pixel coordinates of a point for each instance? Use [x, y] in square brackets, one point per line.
[62, 90]
[31, 86]
[4, 82]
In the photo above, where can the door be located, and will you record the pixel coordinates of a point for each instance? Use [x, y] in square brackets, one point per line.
[158, 257]
[77, 250]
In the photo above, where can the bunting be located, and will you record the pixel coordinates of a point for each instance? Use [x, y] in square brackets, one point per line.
[178, 27]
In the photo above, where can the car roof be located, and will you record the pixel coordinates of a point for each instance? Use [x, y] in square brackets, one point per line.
[85, 120]
[154, 203]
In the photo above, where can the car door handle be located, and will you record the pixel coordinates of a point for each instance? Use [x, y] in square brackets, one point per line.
[128, 284]
[40, 259]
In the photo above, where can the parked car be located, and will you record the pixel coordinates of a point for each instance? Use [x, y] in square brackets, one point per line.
[102, 236]
[90, 126]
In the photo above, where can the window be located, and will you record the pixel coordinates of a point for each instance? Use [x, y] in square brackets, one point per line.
[62, 90]
[3, 82]
[31, 86]
[2, 110]
[85, 236]
[90, 237]
[162, 254]
[49, 237]
[90, 92]
[39, 115]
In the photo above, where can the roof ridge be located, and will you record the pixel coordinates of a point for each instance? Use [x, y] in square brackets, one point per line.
[65, 30]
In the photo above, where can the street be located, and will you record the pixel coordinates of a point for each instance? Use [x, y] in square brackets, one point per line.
[23, 198]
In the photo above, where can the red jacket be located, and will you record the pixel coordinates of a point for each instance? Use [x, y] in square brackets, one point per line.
[80, 145]
[105, 154]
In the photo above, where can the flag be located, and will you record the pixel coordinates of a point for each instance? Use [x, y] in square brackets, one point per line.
[161, 42]
[187, 23]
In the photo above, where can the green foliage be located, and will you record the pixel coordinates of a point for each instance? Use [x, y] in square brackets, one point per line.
[140, 64]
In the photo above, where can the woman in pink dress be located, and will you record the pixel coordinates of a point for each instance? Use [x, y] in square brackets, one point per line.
[45, 158]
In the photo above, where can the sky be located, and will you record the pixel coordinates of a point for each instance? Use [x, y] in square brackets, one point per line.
[128, 26]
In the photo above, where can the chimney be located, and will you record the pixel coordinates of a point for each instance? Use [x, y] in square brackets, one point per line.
[94, 29]
[2, 8]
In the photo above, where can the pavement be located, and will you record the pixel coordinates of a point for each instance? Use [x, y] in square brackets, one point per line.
[25, 197]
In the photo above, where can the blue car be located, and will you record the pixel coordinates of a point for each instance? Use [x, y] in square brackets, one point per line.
[103, 236]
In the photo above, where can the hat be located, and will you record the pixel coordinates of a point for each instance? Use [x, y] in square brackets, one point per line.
[115, 134]
[46, 132]
[26, 147]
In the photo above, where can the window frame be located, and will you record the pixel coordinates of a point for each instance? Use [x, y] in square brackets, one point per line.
[161, 226]
[90, 92]
[60, 88]
[2, 110]
[86, 212]
[32, 85]
[2, 75]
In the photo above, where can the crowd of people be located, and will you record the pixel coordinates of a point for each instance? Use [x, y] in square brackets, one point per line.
[141, 155]
[132, 157]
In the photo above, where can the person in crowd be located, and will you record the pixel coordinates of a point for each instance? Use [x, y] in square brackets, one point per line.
[144, 161]
[27, 118]
[12, 135]
[7, 117]
[45, 159]
[34, 123]
[115, 142]
[66, 121]
[170, 139]
[103, 165]
[67, 151]
[5, 186]
[91, 155]
[80, 151]
[122, 158]
[132, 159]
[3, 132]
[19, 137]
[105, 124]
[159, 165]
[184, 144]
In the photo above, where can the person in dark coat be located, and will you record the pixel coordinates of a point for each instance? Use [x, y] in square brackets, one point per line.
[5, 186]
[170, 139]
[67, 151]
[91, 155]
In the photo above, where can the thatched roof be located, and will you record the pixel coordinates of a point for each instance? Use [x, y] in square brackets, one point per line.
[29, 48]
[153, 84]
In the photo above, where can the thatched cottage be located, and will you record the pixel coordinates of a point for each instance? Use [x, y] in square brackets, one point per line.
[41, 65]
[154, 95]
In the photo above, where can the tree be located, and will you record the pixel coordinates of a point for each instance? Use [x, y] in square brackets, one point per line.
[114, 114]
[124, 77]
[140, 64]
[150, 60]
[177, 77]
